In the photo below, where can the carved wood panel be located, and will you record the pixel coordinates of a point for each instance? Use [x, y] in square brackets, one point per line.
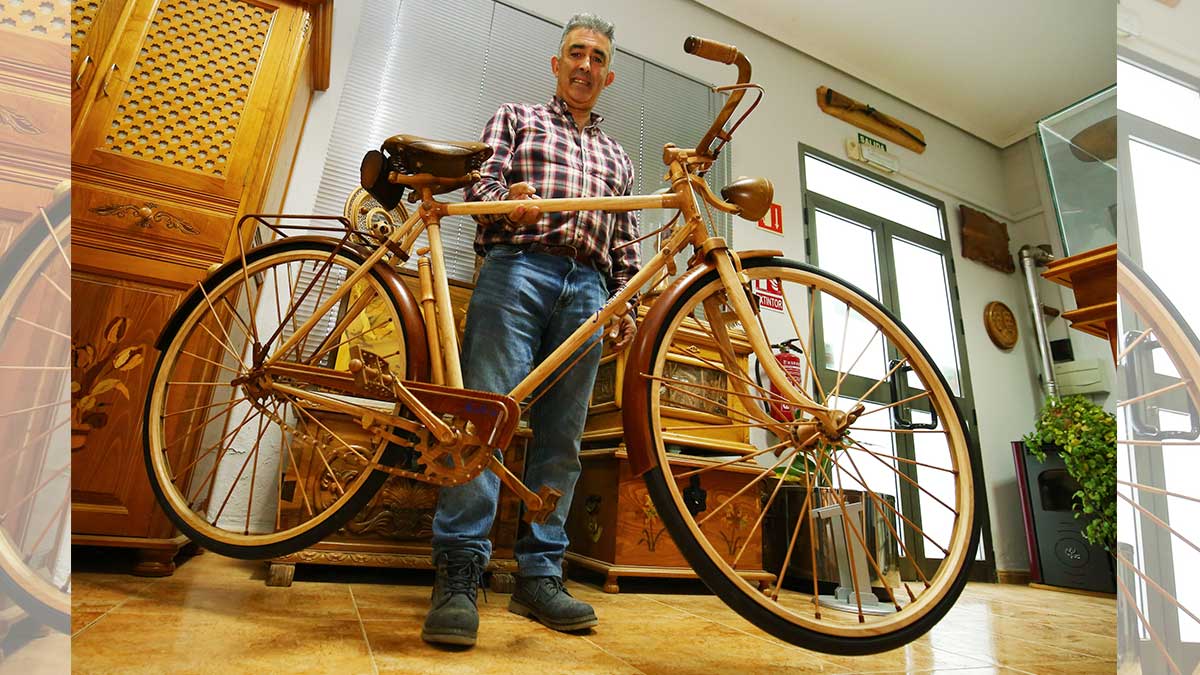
[614, 520]
[83, 17]
[34, 119]
[189, 92]
[114, 326]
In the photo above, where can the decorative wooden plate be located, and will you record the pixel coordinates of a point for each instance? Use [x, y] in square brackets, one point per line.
[1001, 325]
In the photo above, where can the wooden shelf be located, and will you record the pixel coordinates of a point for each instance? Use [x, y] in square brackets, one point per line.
[1092, 276]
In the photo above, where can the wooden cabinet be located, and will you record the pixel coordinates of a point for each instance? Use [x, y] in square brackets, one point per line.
[615, 528]
[185, 119]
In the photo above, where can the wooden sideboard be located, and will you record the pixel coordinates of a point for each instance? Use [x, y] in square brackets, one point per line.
[186, 116]
[613, 526]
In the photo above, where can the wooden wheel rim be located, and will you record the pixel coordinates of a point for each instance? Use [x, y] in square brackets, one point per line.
[943, 580]
[158, 455]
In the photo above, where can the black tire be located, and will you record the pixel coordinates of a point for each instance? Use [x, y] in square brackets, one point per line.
[739, 595]
[251, 548]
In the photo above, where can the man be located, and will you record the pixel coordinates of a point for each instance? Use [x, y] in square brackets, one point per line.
[542, 277]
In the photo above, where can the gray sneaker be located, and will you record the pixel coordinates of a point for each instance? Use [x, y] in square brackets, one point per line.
[545, 599]
[453, 618]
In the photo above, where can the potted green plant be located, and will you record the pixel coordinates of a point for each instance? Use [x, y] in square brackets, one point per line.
[1085, 436]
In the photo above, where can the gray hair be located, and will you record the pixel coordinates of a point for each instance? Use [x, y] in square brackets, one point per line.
[593, 23]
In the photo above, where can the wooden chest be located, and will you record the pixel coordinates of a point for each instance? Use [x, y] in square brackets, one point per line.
[615, 529]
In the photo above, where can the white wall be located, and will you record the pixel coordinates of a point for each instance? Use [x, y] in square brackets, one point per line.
[956, 168]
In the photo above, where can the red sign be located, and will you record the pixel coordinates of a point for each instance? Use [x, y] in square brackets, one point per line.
[793, 365]
[770, 294]
[776, 220]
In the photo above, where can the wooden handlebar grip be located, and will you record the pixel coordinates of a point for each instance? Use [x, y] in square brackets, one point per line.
[710, 49]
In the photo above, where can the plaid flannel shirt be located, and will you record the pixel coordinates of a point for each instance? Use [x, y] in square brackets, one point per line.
[541, 145]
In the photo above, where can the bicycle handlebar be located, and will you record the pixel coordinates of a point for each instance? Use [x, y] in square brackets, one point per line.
[729, 55]
[711, 49]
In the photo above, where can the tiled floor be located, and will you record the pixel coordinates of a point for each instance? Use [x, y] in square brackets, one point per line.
[216, 615]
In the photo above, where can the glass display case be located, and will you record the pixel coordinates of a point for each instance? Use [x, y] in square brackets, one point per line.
[1079, 145]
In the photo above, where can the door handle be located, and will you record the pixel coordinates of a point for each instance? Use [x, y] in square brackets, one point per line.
[108, 79]
[896, 386]
[82, 67]
[1141, 357]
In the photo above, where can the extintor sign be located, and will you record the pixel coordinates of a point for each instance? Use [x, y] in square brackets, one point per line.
[770, 294]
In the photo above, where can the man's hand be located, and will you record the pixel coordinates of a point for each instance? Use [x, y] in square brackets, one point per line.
[523, 215]
[623, 331]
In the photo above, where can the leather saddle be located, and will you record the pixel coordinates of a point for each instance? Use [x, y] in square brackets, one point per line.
[412, 161]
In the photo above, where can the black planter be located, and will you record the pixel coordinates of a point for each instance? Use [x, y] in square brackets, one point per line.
[1058, 552]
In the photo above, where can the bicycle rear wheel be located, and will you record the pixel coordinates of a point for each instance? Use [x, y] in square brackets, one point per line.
[1158, 435]
[872, 537]
[247, 470]
[35, 417]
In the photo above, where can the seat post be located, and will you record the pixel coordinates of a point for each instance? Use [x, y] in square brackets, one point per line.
[447, 336]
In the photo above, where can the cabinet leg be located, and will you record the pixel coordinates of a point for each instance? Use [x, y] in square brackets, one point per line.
[610, 584]
[280, 574]
[502, 582]
[155, 562]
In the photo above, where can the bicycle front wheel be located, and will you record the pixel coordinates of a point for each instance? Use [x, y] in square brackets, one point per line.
[245, 469]
[867, 532]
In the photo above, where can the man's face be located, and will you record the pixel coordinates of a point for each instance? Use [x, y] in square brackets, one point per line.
[582, 68]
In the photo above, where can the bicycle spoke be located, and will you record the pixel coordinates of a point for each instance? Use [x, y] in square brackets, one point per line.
[1130, 347]
[40, 327]
[875, 501]
[221, 441]
[911, 481]
[841, 353]
[811, 370]
[896, 366]
[228, 340]
[1154, 637]
[747, 486]
[210, 361]
[914, 397]
[763, 511]
[234, 482]
[744, 459]
[837, 386]
[1171, 387]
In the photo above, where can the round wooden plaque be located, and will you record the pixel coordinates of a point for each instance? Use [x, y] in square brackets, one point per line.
[1001, 325]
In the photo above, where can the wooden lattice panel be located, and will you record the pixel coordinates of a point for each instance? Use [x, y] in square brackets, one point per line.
[45, 18]
[83, 14]
[187, 92]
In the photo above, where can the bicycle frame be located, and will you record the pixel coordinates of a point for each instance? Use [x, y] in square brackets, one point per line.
[682, 198]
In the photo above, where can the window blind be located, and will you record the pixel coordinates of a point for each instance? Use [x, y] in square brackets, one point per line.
[441, 69]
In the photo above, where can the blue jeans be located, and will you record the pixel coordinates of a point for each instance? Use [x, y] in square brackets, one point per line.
[524, 306]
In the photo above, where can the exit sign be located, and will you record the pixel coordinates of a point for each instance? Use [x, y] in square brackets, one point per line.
[867, 140]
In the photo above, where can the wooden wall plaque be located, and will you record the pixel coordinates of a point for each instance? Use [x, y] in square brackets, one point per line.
[985, 240]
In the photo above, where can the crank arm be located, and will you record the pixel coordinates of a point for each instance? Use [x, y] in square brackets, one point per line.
[538, 506]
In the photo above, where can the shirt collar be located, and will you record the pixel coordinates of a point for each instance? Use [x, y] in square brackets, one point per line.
[559, 106]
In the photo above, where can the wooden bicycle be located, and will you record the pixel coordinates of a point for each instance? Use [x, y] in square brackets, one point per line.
[261, 352]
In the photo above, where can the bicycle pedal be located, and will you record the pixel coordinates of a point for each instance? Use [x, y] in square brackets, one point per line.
[549, 497]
